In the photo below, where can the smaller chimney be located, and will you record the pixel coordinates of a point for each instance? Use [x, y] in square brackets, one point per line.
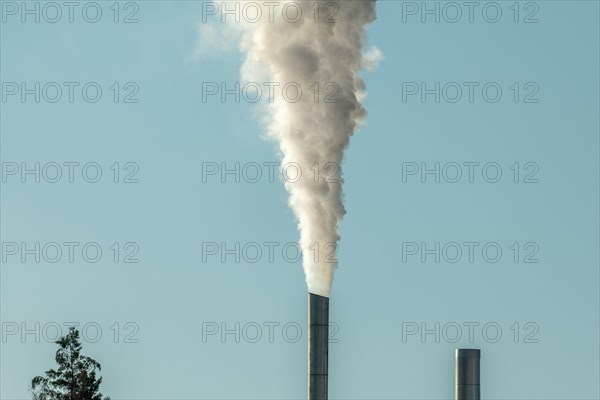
[467, 374]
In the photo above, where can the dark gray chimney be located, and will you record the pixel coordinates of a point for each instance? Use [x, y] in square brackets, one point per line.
[318, 344]
[467, 374]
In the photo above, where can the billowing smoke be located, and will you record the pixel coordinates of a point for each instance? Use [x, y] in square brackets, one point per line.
[312, 64]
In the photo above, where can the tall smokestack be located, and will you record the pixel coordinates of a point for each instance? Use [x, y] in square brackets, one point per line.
[318, 346]
[467, 374]
[312, 130]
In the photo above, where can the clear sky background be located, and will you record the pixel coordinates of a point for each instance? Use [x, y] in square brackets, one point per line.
[164, 306]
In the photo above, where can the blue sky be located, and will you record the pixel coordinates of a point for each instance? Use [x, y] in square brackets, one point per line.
[157, 325]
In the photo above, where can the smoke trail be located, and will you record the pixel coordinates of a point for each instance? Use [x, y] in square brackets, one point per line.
[321, 55]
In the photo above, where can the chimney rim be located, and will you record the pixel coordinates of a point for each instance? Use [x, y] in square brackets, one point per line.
[468, 353]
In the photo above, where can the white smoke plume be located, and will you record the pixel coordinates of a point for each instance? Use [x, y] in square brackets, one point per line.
[313, 132]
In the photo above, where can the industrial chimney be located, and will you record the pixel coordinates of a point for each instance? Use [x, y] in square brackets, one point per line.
[467, 374]
[318, 344]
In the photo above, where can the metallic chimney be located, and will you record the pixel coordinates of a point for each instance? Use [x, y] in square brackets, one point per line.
[318, 344]
[467, 374]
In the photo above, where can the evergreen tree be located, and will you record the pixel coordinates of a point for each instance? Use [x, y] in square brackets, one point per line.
[75, 378]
